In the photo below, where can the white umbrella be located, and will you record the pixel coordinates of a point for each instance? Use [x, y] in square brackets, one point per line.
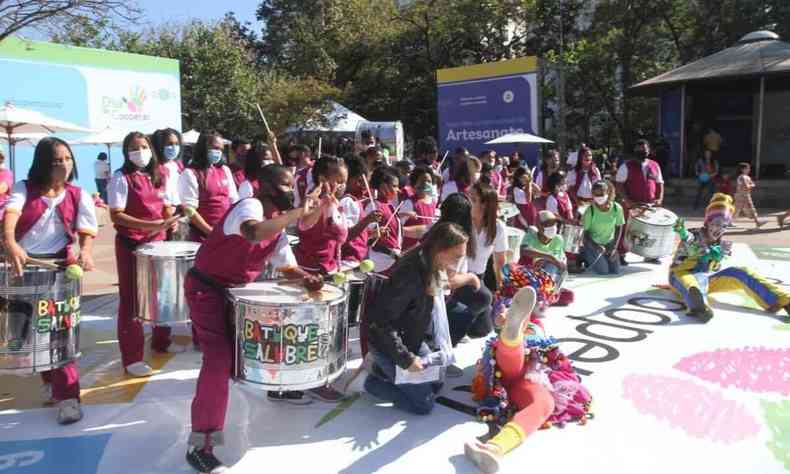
[518, 138]
[15, 121]
[25, 138]
[107, 137]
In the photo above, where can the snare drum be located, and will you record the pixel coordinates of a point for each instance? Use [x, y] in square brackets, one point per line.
[573, 236]
[270, 273]
[514, 238]
[507, 210]
[650, 232]
[286, 338]
[161, 270]
[39, 320]
[557, 275]
[356, 291]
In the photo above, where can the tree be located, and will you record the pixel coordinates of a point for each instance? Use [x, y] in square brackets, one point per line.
[50, 16]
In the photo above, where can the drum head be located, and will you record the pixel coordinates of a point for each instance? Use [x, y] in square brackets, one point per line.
[168, 249]
[273, 292]
[657, 216]
[515, 233]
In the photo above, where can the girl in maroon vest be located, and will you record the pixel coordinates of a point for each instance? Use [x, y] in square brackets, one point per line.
[521, 194]
[559, 201]
[261, 155]
[582, 177]
[353, 208]
[167, 148]
[46, 217]
[207, 186]
[249, 235]
[419, 212]
[388, 236]
[301, 159]
[142, 212]
[241, 148]
[549, 166]
[322, 235]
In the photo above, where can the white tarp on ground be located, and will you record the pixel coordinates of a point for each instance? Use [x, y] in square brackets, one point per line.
[671, 396]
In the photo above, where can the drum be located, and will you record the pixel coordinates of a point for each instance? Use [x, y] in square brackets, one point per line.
[556, 274]
[573, 236]
[356, 292]
[270, 273]
[286, 338]
[507, 210]
[161, 270]
[181, 234]
[650, 232]
[514, 238]
[39, 320]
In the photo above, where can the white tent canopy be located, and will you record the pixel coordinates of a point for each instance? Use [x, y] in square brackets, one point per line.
[339, 119]
[518, 138]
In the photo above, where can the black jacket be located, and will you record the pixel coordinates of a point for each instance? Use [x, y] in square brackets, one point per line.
[400, 315]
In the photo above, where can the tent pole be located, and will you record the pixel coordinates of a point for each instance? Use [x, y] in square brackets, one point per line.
[760, 112]
[682, 165]
[109, 158]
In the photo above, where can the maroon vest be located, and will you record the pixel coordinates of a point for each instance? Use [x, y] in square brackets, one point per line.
[356, 249]
[319, 247]
[638, 186]
[144, 202]
[35, 206]
[213, 198]
[233, 260]
[301, 182]
[565, 206]
[592, 174]
[391, 241]
[422, 209]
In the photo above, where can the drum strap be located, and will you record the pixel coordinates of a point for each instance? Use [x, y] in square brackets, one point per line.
[387, 251]
[208, 281]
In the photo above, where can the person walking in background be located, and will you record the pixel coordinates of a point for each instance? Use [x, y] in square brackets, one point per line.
[706, 171]
[102, 172]
[743, 195]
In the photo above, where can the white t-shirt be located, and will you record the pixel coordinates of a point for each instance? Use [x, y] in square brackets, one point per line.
[48, 235]
[520, 197]
[552, 204]
[246, 190]
[172, 182]
[118, 192]
[622, 173]
[189, 191]
[449, 188]
[585, 188]
[483, 250]
[351, 211]
[101, 169]
[381, 260]
[252, 210]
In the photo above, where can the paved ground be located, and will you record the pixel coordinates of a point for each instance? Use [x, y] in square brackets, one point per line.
[715, 396]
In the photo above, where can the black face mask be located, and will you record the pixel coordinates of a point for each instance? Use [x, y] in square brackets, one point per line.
[642, 154]
[284, 201]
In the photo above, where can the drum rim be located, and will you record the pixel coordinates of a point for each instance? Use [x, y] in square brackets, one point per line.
[240, 299]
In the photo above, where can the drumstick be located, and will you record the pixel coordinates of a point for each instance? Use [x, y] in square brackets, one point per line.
[45, 264]
[370, 196]
[174, 217]
[389, 221]
[318, 157]
[265, 123]
[443, 158]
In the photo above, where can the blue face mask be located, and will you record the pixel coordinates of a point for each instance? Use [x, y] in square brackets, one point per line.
[171, 151]
[214, 156]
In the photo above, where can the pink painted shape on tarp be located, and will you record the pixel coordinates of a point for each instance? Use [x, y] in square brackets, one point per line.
[693, 408]
[755, 369]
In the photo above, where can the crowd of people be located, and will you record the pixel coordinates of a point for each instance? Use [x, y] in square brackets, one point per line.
[433, 229]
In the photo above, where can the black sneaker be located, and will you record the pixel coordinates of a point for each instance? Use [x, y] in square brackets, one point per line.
[205, 461]
[699, 309]
[292, 397]
[653, 261]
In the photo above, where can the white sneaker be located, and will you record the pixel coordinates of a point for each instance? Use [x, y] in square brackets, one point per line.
[139, 369]
[174, 348]
[46, 394]
[69, 411]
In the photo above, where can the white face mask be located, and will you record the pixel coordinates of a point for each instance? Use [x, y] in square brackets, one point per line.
[550, 232]
[140, 158]
[601, 200]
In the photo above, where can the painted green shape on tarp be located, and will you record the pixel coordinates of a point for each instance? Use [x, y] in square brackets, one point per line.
[335, 412]
[777, 417]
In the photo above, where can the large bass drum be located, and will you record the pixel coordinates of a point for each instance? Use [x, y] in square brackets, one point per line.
[650, 232]
[161, 271]
[286, 338]
[39, 320]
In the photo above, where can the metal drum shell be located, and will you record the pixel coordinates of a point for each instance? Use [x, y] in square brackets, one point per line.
[24, 348]
[514, 238]
[355, 286]
[181, 234]
[332, 321]
[160, 297]
[651, 239]
[573, 235]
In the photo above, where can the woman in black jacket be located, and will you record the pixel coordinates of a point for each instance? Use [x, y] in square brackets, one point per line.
[401, 330]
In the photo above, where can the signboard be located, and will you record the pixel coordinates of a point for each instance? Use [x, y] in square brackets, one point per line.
[485, 101]
[89, 87]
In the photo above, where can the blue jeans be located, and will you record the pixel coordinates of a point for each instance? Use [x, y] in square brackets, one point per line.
[101, 188]
[413, 398]
[604, 265]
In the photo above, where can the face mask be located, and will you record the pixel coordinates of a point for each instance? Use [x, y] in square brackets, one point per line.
[550, 232]
[140, 158]
[426, 189]
[284, 201]
[214, 156]
[171, 151]
[601, 200]
[498, 168]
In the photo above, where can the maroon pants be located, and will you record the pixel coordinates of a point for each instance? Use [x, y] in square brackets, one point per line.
[131, 337]
[65, 381]
[207, 308]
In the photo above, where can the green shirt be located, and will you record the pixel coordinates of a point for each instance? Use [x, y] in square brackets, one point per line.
[555, 247]
[601, 225]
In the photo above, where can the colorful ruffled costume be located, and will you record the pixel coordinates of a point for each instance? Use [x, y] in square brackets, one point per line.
[528, 384]
[516, 276]
[696, 268]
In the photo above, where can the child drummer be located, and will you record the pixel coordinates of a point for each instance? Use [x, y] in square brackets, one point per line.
[250, 234]
[45, 217]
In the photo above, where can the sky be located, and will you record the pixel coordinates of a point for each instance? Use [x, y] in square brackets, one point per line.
[178, 11]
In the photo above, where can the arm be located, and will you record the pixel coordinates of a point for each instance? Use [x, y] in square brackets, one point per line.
[535, 255]
[499, 262]
[659, 194]
[256, 231]
[16, 254]
[86, 251]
